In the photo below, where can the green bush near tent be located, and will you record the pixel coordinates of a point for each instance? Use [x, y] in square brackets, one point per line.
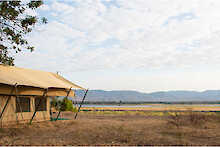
[69, 105]
[63, 105]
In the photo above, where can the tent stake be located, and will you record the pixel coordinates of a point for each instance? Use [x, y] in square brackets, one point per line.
[81, 103]
[36, 109]
[65, 97]
[9, 97]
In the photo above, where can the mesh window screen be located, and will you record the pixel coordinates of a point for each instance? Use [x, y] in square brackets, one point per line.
[22, 104]
[42, 102]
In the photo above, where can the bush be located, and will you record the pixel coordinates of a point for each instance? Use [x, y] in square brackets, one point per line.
[63, 105]
[67, 105]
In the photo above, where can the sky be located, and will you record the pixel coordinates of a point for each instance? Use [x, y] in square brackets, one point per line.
[143, 45]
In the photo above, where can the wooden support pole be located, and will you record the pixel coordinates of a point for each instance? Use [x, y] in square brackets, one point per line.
[36, 109]
[81, 103]
[19, 102]
[65, 97]
[9, 97]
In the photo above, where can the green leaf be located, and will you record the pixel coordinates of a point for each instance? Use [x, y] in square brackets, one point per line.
[13, 29]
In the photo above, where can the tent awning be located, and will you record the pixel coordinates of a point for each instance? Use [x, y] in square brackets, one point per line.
[36, 79]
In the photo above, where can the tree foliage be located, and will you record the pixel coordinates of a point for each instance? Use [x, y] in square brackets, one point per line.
[15, 23]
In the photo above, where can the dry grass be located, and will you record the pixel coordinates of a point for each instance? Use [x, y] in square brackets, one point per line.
[135, 128]
[159, 107]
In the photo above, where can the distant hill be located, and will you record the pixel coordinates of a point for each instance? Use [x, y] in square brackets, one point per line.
[161, 96]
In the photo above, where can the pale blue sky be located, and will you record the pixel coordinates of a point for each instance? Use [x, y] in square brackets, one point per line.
[144, 45]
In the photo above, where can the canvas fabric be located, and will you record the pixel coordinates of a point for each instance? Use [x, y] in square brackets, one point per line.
[34, 82]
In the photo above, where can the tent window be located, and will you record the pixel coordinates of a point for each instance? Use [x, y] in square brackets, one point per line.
[22, 104]
[43, 103]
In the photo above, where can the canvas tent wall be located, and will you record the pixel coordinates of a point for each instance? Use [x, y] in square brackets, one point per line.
[19, 82]
[11, 114]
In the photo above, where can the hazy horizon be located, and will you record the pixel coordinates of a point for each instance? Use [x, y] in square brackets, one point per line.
[156, 91]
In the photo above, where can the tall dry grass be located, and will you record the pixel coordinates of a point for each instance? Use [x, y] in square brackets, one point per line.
[172, 128]
[191, 118]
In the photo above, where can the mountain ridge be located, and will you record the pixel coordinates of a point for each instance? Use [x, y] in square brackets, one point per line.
[166, 96]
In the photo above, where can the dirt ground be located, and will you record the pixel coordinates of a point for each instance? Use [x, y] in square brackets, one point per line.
[117, 129]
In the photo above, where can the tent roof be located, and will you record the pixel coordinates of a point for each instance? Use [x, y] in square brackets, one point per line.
[11, 75]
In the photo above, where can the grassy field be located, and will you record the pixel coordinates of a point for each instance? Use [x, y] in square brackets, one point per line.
[119, 128]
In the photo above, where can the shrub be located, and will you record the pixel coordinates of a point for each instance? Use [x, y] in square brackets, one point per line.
[63, 105]
[67, 105]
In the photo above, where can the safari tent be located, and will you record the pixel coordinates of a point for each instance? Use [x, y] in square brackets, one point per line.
[25, 94]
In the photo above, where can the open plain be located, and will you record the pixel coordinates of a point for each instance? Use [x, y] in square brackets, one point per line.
[119, 128]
